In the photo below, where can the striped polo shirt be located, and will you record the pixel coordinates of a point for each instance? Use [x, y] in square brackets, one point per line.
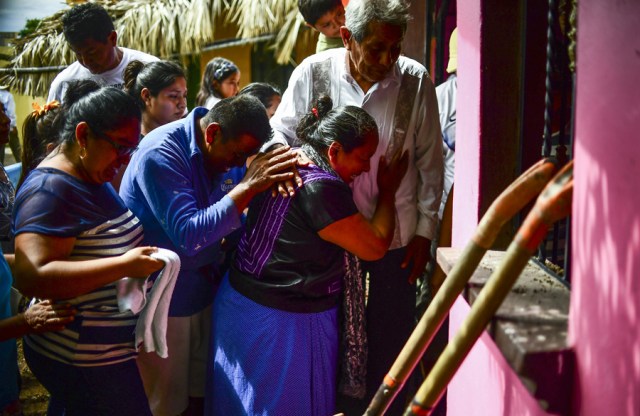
[54, 203]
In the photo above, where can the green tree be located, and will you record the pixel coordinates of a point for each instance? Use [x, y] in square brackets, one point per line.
[29, 28]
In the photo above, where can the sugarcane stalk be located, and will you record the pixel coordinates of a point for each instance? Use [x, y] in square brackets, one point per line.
[508, 203]
[552, 205]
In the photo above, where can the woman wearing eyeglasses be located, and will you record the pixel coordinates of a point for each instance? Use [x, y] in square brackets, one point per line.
[74, 240]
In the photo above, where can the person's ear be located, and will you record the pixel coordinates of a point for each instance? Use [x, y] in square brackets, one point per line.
[145, 94]
[82, 132]
[112, 39]
[50, 146]
[333, 151]
[211, 132]
[345, 34]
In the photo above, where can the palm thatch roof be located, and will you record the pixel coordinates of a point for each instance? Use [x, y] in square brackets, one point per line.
[165, 28]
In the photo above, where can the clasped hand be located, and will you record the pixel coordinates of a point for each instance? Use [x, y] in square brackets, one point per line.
[390, 173]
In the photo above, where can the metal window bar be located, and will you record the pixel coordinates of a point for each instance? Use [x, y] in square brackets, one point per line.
[554, 253]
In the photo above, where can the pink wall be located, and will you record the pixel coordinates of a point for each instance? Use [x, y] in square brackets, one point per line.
[485, 385]
[605, 304]
[604, 322]
[465, 203]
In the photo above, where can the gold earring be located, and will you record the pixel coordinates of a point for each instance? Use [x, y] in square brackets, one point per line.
[83, 152]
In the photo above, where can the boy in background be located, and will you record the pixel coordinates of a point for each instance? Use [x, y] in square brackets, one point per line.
[325, 16]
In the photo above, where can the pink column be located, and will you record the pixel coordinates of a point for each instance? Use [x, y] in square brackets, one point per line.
[605, 304]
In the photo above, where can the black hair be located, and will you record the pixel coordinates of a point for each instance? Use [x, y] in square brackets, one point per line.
[323, 125]
[232, 114]
[86, 21]
[218, 69]
[77, 89]
[104, 109]
[40, 128]
[312, 10]
[262, 91]
[43, 128]
[154, 76]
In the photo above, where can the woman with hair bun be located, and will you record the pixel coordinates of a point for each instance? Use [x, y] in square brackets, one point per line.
[160, 90]
[221, 79]
[275, 319]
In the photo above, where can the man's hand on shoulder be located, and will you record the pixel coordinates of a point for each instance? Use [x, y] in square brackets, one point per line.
[265, 170]
[287, 188]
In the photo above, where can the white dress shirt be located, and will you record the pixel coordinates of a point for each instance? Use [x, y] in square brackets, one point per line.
[418, 198]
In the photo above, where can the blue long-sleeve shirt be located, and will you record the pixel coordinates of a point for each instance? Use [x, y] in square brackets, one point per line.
[167, 188]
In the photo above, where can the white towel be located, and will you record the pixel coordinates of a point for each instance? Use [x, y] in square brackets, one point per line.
[132, 293]
[151, 329]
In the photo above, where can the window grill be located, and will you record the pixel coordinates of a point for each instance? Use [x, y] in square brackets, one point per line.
[554, 254]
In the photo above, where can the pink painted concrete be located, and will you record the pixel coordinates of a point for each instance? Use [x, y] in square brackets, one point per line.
[485, 385]
[466, 201]
[604, 323]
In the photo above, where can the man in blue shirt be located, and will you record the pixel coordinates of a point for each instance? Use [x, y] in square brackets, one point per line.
[170, 186]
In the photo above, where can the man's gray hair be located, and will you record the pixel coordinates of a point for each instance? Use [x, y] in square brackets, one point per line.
[360, 13]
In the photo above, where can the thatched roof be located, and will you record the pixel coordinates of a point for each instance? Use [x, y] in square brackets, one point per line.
[165, 28]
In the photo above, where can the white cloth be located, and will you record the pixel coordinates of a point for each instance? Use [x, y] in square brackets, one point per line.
[418, 197]
[112, 78]
[151, 329]
[446, 93]
[132, 294]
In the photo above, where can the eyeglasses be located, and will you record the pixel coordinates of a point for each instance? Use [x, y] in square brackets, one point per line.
[121, 150]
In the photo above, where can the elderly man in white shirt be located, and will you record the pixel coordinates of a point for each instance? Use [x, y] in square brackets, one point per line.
[399, 94]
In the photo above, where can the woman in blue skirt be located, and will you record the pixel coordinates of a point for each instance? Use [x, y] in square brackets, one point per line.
[276, 318]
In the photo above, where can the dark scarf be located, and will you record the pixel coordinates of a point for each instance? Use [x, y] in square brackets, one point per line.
[353, 336]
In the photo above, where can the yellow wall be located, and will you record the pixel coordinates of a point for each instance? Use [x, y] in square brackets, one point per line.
[239, 55]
